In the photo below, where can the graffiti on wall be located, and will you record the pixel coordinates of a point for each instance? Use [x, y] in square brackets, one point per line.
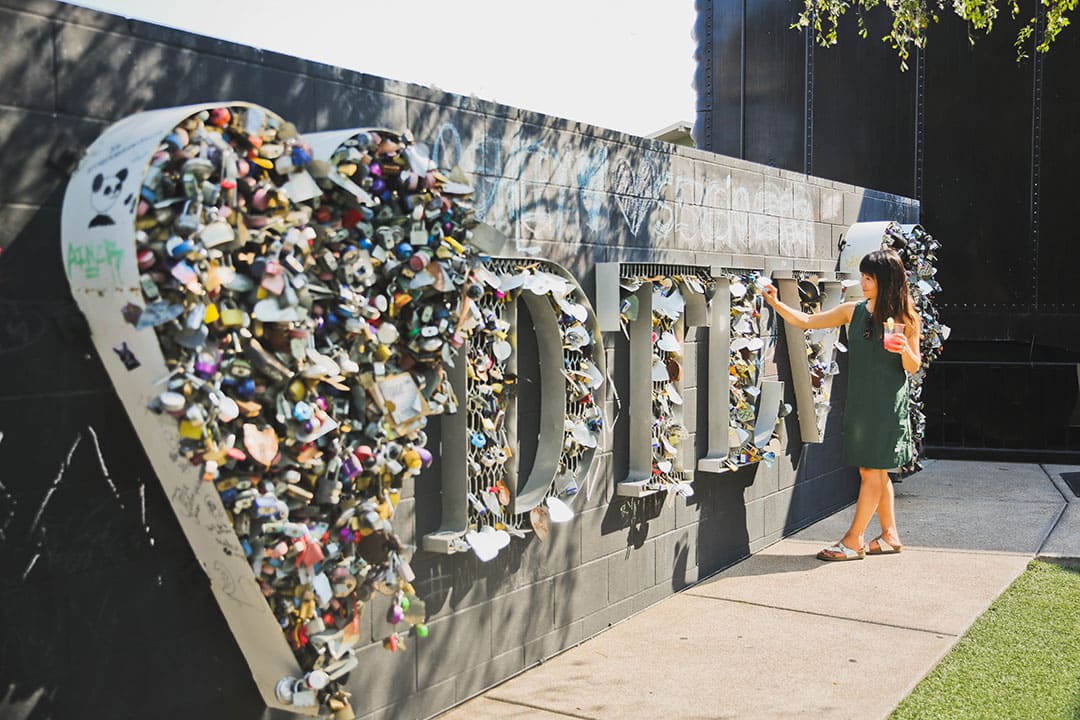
[538, 186]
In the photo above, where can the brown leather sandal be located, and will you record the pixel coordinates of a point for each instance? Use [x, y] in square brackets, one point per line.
[840, 552]
[883, 548]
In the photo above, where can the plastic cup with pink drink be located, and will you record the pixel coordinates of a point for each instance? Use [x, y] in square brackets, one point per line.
[894, 335]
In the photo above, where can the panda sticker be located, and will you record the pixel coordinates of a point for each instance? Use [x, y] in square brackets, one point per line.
[105, 191]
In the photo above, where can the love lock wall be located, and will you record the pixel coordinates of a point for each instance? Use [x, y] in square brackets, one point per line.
[110, 603]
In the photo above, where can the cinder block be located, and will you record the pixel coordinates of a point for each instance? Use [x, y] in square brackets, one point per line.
[690, 225]
[30, 137]
[603, 619]
[553, 643]
[806, 204]
[631, 572]
[687, 510]
[764, 235]
[824, 246]
[747, 191]
[766, 481]
[384, 677]
[475, 680]
[418, 705]
[26, 60]
[664, 521]
[736, 239]
[580, 592]
[663, 225]
[522, 616]
[405, 518]
[795, 240]
[455, 643]
[755, 519]
[471, 581]
[676, 558]
[603, 531]
[598, 488]
[340, 105]
[779, 197]
[858, 208]
[650, 596]
[714, 183]
[787, 462]
[684, 182]
[777, 512]
[14, 220]
[453, 135]
[434, 582]
[763, 542]
[528, 152]
[376, 614]
[535, 560]
[832, 206]
[550, 213]
[498, 202]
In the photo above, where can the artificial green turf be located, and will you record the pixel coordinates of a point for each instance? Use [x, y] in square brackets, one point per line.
[1020, 659]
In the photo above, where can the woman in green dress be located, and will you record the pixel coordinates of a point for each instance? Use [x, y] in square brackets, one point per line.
[877, 433]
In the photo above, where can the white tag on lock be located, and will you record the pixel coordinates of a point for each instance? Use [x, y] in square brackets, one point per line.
[669, 343]
[483, 546]
[673, 394]
[270, 310]
[502, 350]
[217, 233]
[559, 511]
[659, 370]
[302, 187]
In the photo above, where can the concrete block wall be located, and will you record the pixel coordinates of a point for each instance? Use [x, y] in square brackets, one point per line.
[104, 611]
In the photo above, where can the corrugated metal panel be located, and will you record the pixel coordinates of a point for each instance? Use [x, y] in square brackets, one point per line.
[775, 85]
[978, 166]
[864, 121]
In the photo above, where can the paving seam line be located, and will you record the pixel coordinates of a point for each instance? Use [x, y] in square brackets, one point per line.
[1060, 514]
[1057, 482]
[827, 615]
[538, 707]
[1010, 501]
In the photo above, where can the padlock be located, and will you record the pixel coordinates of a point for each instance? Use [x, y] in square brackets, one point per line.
[231, 314]
[188, 222]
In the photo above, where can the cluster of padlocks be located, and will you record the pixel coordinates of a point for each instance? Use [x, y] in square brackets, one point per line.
[821, 345]
[752, 423]
[918, 250]
[492, 377]
[668, 433]
[749, 442]
[306, 308]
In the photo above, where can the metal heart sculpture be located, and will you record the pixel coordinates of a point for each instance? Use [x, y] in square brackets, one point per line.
[275, 318]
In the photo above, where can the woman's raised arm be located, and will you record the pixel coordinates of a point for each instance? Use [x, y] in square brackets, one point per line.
[837, 316]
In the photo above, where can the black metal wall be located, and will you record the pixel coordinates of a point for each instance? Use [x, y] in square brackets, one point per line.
[985, 143]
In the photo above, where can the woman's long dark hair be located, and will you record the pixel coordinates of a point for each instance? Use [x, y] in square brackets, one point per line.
[893, 296]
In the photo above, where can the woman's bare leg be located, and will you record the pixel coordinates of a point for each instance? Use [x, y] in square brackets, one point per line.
[871, 493]
[887, 515]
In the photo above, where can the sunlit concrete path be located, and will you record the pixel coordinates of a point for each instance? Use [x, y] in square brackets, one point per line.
[783, 634]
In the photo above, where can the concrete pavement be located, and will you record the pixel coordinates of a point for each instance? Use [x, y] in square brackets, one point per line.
[782, 634]
[1063, 545]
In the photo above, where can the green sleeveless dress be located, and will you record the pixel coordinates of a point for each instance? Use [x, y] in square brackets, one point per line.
[877, 432]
